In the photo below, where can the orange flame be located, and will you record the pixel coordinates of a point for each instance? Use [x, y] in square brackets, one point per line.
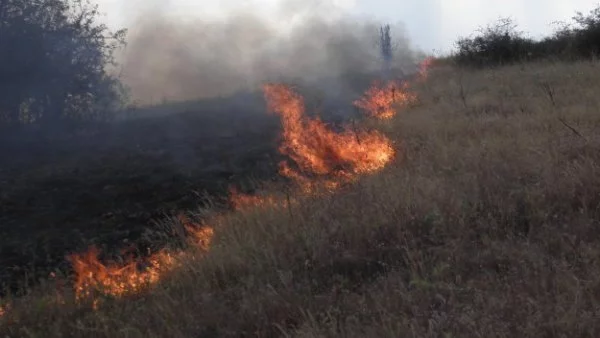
[132, 276]
[117, 279]
[318, 151]
[200, 235]
[380, 100]
[241, 201]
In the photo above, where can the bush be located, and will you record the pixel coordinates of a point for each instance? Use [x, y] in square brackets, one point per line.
[53, 62]
[497, 44]
[587, 33]
[501, 43]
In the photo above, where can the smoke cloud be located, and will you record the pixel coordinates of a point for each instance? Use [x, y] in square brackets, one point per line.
[309, 42]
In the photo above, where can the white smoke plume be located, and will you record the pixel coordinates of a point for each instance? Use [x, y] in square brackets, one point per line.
[178, 57]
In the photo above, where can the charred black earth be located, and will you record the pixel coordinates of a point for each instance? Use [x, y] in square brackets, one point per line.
[62, 191]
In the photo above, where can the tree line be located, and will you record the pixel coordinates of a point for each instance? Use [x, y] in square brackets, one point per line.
[502, 43]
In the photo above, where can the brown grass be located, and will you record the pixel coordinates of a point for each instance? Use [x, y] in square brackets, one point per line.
[487, 226]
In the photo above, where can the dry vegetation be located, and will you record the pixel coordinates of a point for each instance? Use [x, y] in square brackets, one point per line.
[486, 225]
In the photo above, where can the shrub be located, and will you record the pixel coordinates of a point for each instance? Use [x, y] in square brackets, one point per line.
[501, 43]
[587, 33]
[497, 44]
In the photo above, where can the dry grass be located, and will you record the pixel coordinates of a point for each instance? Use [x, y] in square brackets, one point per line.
[487, 226]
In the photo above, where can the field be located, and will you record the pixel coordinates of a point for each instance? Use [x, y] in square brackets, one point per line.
[485, 224]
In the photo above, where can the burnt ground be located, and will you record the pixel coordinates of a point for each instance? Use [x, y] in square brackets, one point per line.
[105, 185]
[108, 185]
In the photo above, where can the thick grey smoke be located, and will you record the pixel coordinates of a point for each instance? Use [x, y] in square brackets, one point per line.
[175, 59]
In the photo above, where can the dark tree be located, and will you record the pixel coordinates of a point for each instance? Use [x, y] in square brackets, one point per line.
[385, 42]
[588, 32]
[54, 57]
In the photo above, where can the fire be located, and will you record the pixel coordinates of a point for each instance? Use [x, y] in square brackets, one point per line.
[381, 100]
[241, 201]
[200, 235]
[117, 279]
[134, 275]
[318, 151]
[318, 157]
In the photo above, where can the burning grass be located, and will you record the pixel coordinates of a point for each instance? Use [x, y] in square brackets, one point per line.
[488, 227]
[333, 158]
[241, 201]
[382, 101]
[132, 275]
[317, 151]
[117, 279]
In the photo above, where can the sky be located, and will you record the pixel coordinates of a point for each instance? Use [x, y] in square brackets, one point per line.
[436, 24]
[433, 25]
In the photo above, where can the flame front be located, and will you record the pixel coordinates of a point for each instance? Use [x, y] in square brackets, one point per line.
[318, 157]
[134, 275]
[241, 201]
[117, 279]
[380, 100]
[200, 235]
[318, 151]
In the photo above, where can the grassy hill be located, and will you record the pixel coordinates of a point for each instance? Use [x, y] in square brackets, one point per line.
[485, 225]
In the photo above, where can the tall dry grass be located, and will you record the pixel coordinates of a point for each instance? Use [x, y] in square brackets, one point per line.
[488, 225]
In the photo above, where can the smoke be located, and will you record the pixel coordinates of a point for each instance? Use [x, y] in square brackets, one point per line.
[310, 42]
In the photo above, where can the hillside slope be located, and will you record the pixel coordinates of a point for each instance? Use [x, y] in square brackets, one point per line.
[485, 225]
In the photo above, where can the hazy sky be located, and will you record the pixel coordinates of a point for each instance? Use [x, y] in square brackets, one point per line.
[432, 24]
[435, 24]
